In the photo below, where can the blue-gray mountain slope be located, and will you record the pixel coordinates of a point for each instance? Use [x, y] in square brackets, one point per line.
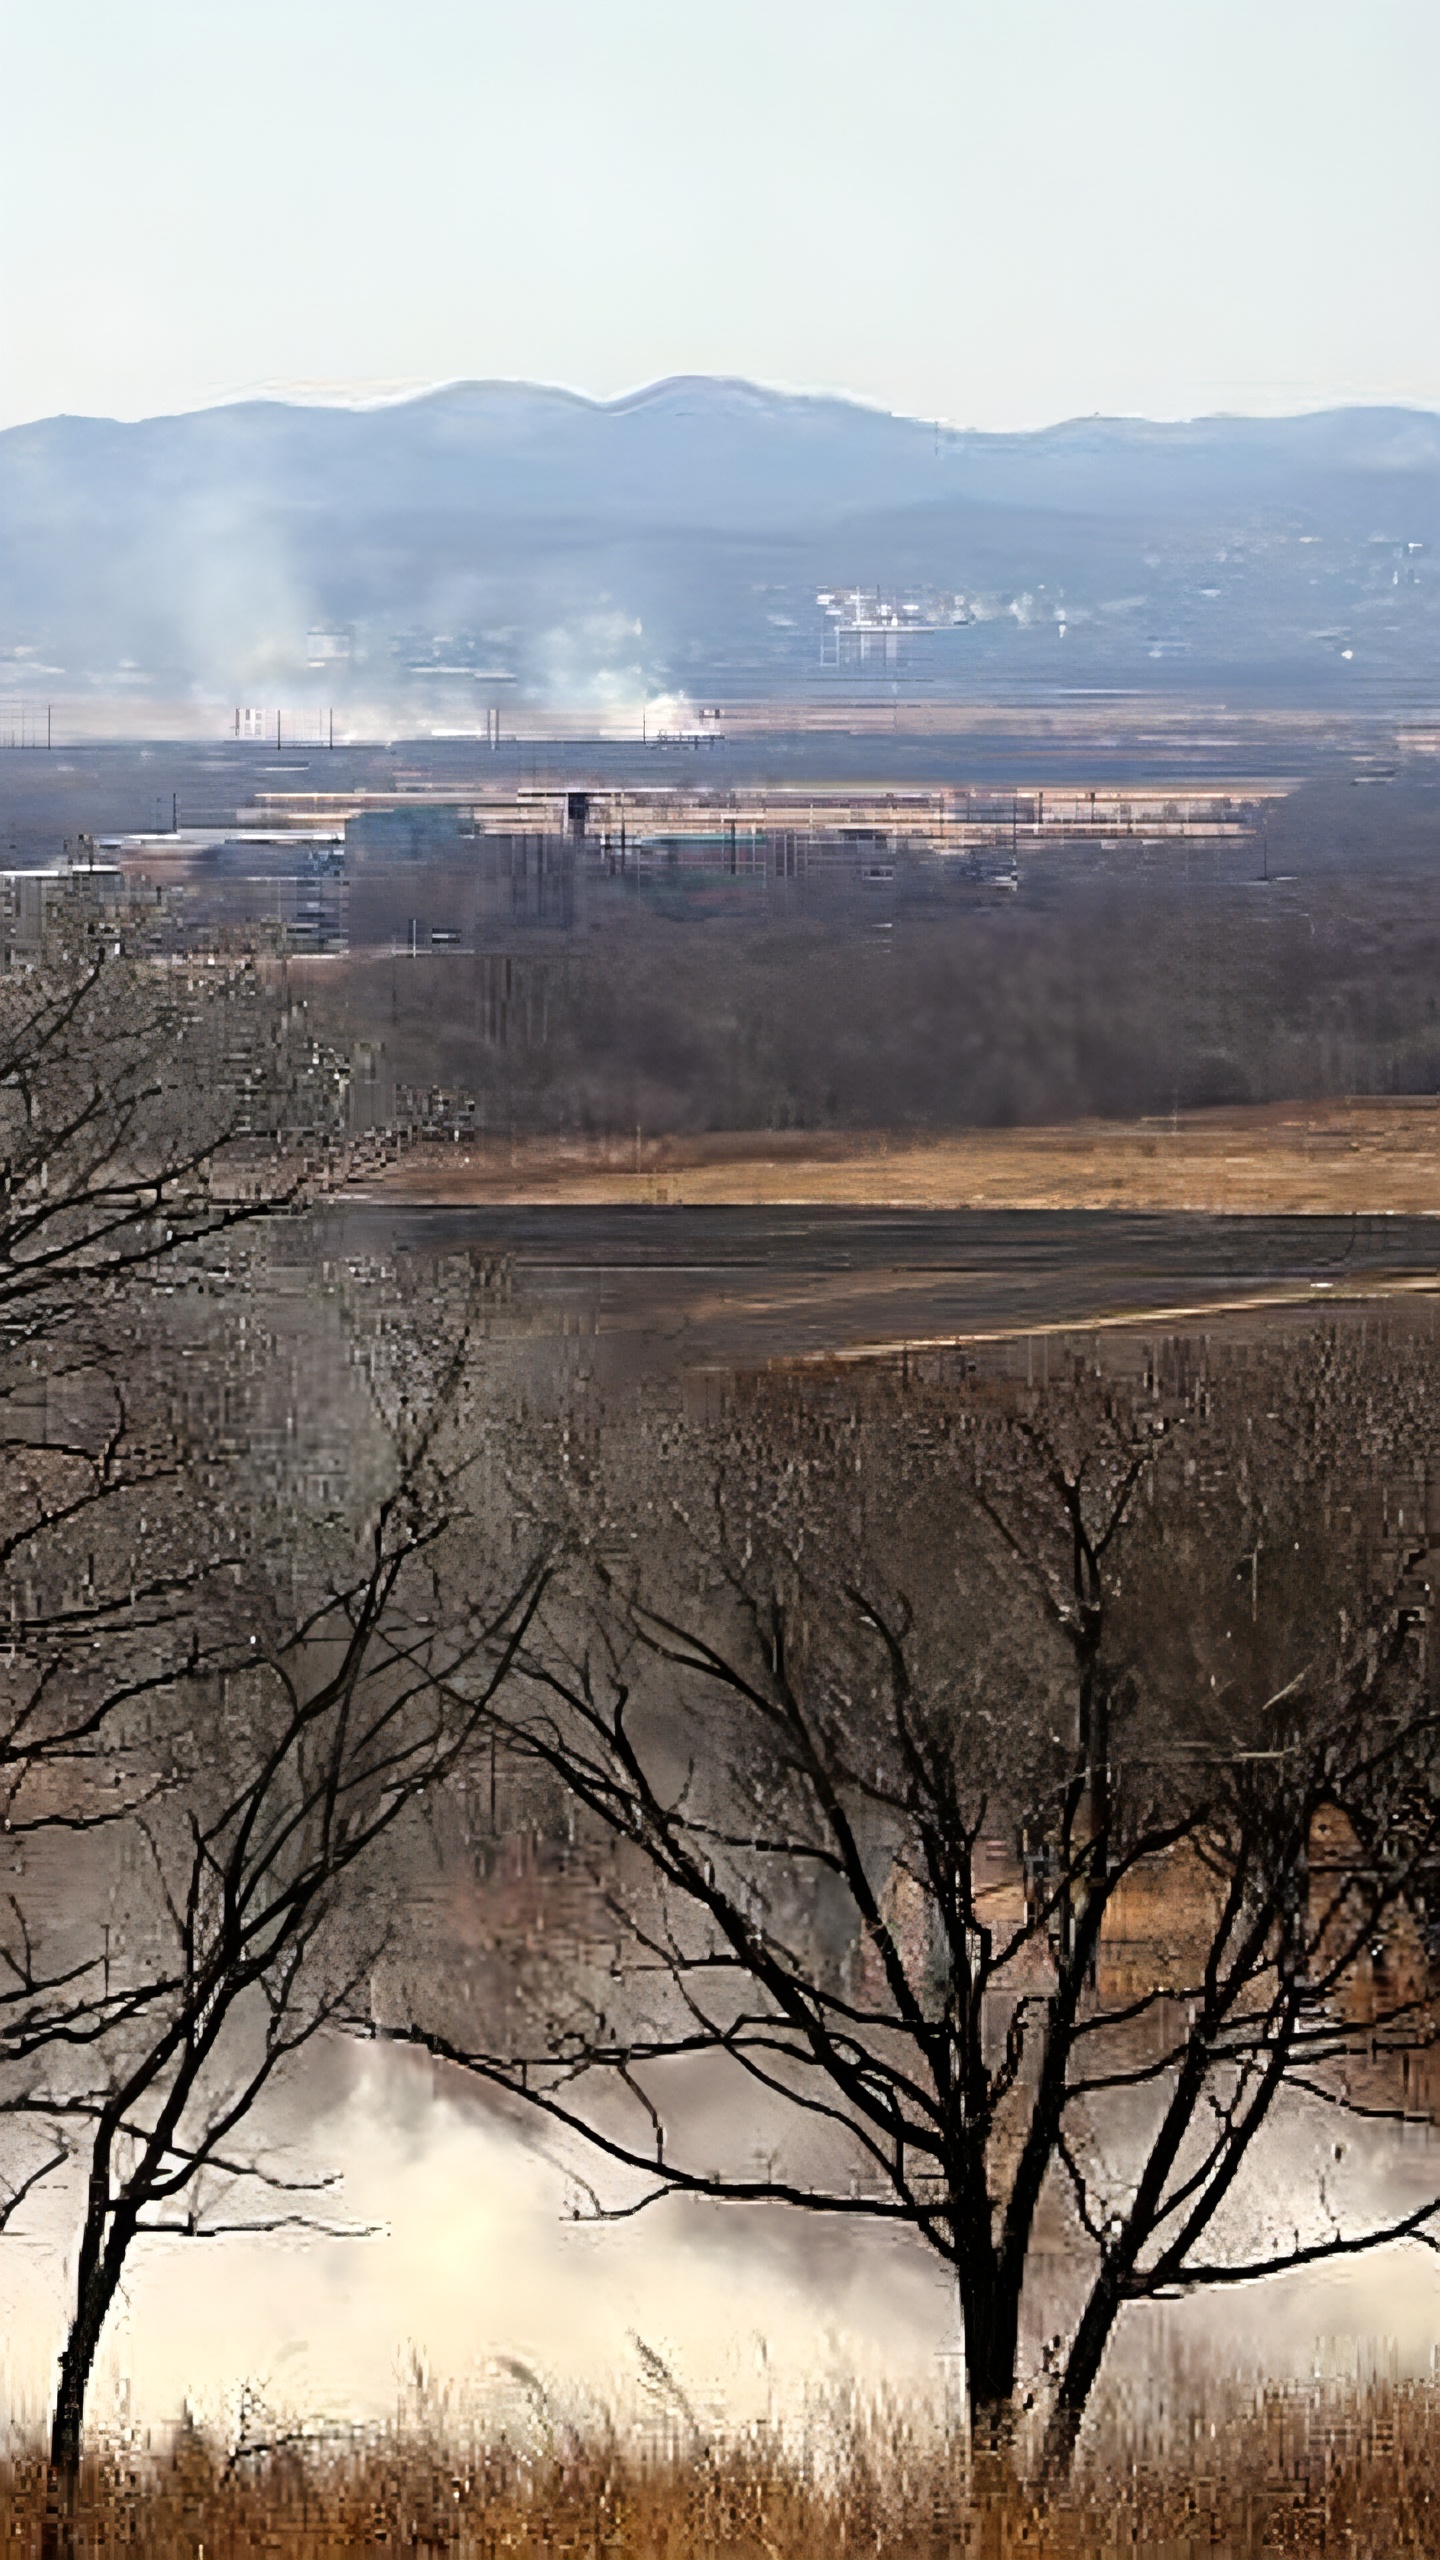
[495, 542]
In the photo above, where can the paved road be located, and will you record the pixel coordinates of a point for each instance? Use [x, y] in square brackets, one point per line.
[735, 1285]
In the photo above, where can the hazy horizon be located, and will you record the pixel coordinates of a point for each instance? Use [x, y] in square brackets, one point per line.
[361, 402]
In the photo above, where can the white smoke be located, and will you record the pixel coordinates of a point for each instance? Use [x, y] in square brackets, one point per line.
[475, 2265]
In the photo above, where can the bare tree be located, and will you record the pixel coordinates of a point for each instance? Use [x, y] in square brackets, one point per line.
[961, 1799]
[282, 1761]
[214, 1714]
[144, 1104]
[147, 1110]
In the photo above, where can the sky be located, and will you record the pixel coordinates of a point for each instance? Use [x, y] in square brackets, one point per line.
[993, 215]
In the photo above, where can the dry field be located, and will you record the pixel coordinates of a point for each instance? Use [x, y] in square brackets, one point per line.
[1343, 1158]
[1352, 2473]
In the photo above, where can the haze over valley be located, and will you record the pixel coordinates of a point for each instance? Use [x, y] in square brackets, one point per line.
[494, 552]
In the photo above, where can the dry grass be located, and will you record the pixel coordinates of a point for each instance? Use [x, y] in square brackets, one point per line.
[1357, 2474]
[1337, 1158]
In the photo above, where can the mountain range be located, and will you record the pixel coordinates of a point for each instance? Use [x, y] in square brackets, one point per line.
[456, 557]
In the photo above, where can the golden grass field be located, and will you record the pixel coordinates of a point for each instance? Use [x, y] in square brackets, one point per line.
[1356, 2474]
[1338, 1158]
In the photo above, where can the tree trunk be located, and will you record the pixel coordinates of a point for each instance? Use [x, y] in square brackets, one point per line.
[991, 2340]
[1087, 2354]
[77, 2362]
[69, 2414]
[990, 2314]
[109, 2229]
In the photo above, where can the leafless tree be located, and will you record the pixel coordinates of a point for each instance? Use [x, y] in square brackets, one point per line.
[961, 1797]
[215, 1710]
[279, 1761]
[144, 1104]
[147, 1111]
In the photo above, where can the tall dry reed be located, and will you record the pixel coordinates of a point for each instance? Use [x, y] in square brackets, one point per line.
[1353, 2472]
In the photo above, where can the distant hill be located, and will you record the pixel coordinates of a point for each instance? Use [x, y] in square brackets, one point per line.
[496, 543]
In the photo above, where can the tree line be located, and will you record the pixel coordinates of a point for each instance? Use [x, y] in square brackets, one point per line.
[1299, 964]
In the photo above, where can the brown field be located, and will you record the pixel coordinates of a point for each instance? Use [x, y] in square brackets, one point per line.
[1342, 1158]
[1356, 2473]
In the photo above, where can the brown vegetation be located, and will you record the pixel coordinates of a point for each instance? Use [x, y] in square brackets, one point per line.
[1356, 2473]
[918, 1632]
[1115, 984]
[873, 1707]
[1338, 1158]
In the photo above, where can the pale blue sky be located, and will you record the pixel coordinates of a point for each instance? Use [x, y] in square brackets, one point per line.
[997, 212]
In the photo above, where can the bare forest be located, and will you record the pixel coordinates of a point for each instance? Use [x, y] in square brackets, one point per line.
[1114, 982]
[1005, 1813]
